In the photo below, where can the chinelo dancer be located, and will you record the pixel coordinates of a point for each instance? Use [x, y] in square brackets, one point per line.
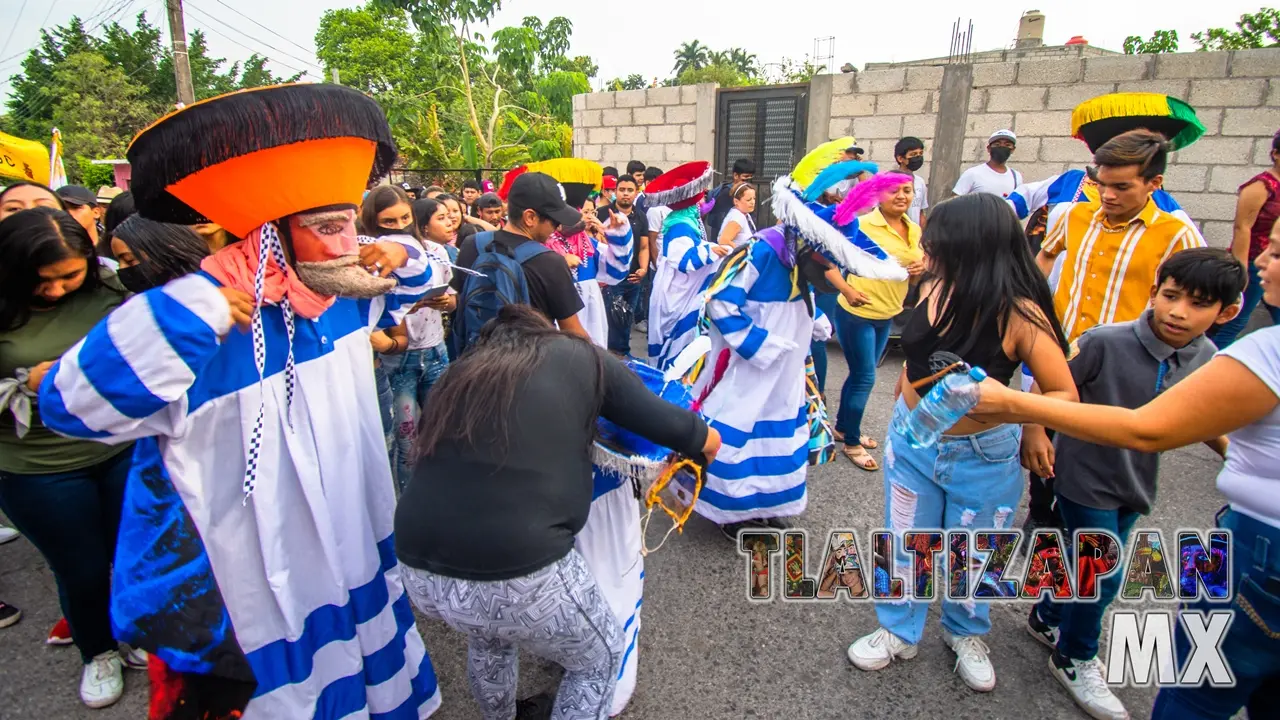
[686, 260]
[756, 387]
[255, 559]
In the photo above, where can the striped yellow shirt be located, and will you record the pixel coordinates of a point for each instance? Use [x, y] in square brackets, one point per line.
[1109, 271]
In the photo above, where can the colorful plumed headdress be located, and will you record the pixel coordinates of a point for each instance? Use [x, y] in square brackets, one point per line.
[820, 158]
[1098, 120]
[250, 157]
[681, 186]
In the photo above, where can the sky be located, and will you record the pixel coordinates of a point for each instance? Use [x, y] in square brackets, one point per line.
[643, 40]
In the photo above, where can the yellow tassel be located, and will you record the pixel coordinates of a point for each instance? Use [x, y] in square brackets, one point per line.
[819, 158]
[1115, 105]
[570, 170]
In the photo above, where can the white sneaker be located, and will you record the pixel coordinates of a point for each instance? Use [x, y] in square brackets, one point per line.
[877, 650]
[971, 661]
[134, 659]
[1084, 680]
[103, 680]
[1043, 633]
[8, 534]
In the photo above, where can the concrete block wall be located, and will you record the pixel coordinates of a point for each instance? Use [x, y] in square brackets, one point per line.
[658, 126]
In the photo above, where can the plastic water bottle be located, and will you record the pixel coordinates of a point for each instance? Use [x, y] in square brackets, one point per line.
[950, 399]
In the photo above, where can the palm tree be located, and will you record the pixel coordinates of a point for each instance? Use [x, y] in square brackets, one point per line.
[745, 62]
[692, 55]
[718, 57]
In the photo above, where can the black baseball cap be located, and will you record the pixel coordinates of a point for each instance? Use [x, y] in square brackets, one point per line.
[77, 195]
[541, 193]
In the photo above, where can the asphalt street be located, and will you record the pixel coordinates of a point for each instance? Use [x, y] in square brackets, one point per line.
[705, 651]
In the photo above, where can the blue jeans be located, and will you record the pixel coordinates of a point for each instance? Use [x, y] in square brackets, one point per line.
[1227, 332]
[383, 382]
[1254, 659]
[818, 350]
[73, 518]
[1080, 623]
[863, 341]
[619, 305]
[971, 482]
[640, 308]
[411, 375]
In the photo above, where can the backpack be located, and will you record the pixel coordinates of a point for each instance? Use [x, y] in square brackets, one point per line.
[723, 203]
[503, 283]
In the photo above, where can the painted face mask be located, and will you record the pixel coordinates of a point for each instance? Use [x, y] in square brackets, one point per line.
[675, 493]
[327, 257]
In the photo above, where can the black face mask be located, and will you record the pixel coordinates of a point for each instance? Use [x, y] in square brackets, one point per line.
[1001, 154]
[915, 163]
[134, 279]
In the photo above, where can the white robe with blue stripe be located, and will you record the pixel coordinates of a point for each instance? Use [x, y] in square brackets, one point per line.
[306, 568]
[685, 266]
[759, 405]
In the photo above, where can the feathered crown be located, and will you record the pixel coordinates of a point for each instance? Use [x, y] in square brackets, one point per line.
[681, 186]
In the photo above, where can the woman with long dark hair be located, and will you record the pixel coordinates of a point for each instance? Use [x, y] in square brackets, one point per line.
[151, 253]
[120, 209]
[986, 302]
[24, 195]
[485, 530]
[386, 210]
[64, 495]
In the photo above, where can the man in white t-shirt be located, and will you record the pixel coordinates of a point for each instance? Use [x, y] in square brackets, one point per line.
[992, 176]
[909, 152]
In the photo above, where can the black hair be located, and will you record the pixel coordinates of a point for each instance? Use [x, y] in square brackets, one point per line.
[423, 210]
[978, 252]
[28, 183]
[652, 173]
[610, 171]
[121, 207]
[471, 183]
[1275, 142]
[379, 199]
[742, 166]
[471, 403]
[906, 145]
[626, 179]
[635, 166]
[30, 240]
[488, 201]
[163, 251]
[1149, 151]
[1208, 274]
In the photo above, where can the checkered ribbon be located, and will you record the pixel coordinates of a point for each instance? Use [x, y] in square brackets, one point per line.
[269, 245]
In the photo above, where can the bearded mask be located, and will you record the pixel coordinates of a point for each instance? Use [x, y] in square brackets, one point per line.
[327, 258]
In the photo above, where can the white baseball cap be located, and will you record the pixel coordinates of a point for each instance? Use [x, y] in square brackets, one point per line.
[1003, 134]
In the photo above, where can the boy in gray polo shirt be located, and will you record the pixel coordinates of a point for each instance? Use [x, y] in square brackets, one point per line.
[1097, 487]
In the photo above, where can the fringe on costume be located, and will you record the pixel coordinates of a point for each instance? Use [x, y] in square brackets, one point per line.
[635, 469]
[681, 193]
[216, 130]
[828, 239]
[1099, 119]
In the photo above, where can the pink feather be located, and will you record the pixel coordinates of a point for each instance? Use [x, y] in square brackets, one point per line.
[866, 195]
[717, 374]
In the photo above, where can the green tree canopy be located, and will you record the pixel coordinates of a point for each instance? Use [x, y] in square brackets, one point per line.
[1253, 30]
[1162, 41]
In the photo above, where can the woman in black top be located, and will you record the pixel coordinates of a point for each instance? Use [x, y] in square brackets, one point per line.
[986, 302]
[485, 530]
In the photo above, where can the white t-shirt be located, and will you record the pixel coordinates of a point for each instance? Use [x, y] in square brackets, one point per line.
[425, 325]
[1251, 477]
[920, 201]
[656, 216]
[981, 178]
[746, 227]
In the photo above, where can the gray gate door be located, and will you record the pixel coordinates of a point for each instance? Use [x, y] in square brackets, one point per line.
[766, 125]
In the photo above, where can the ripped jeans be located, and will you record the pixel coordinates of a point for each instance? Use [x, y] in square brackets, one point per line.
[972, 482]
[411, 375]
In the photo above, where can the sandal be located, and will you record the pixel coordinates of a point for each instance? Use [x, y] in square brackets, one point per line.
[869, 442]
[859, 456]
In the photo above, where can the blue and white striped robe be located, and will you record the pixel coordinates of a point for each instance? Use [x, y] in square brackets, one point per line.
[685, 266]
[302, 579]
[418, 275]
[759, 406]
[610, 264]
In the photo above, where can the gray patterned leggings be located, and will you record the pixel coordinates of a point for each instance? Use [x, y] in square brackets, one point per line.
[557, 613]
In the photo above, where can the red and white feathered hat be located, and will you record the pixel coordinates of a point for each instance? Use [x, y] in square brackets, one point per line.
[680, 187]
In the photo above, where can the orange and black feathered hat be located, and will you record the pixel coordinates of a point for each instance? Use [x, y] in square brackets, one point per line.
[246, 158]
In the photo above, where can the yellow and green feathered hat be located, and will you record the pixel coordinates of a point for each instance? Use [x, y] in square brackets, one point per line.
[1098, 120]
[820, 158]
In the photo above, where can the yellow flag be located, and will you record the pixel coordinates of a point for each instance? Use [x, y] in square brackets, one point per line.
[23, 159]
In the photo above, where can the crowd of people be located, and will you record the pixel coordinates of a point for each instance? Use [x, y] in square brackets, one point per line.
[280, 402]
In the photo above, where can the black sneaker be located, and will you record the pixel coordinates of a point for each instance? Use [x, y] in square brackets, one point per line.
[538, 707]
[730, 530]
[1040, 630]
[9, 614]
[778, 523]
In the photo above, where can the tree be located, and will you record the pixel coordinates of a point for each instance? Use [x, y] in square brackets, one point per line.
[634, 81]
[30, 107]
[746, 63]
[1254, 30]
[692, 55]
[1162, 41]
[791, 71]
[725, 75]
[97, 108]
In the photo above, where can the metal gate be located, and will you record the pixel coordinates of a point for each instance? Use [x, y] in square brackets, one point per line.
[766, 125]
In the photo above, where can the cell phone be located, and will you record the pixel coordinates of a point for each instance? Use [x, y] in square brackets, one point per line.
[435, 292]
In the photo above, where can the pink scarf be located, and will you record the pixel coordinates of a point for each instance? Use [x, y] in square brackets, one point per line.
[578, 244]
[236, 265]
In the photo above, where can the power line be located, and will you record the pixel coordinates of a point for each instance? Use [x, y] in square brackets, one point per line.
[252, 50]
[264, 27]
[13, 29]
[207, 16]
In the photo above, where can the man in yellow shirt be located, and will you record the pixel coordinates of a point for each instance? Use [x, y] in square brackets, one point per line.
[863, 330]
[1114, 248]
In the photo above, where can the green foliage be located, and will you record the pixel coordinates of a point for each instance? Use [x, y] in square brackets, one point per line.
[726, 75]
[692, 55]
[1253, 30]
[634, 81]
[557, 90]
[90, 175]
[1162, 41]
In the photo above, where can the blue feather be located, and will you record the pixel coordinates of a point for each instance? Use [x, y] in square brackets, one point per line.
[834, 174]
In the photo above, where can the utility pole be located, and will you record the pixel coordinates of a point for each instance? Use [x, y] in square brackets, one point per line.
[181, 65]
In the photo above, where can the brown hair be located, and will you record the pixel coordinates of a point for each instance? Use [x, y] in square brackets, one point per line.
[736, 192]
[1147, 150]
[379, 199]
